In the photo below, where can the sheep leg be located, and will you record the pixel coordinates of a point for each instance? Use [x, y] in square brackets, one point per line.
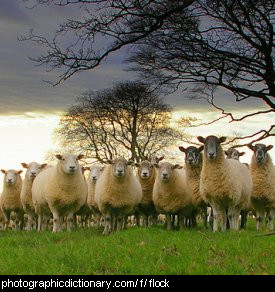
[169, 222]
[56, 222]
[233, 215]
[70, 222]
[7, 215]
[20, 219]
[181, 221]
[155, 220]
[259, 218]
[244, 214]
[108, 224]
[219, 217]
[137, 217]
[145, 221]
[204, 212]
[270, 217]
[39, 223]
[119, 222]
[30, 222]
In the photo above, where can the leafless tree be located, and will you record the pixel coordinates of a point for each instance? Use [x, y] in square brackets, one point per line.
[212, 45]
[230, 47]
[127, 119]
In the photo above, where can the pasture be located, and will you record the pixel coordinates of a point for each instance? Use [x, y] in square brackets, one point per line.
[137, 251]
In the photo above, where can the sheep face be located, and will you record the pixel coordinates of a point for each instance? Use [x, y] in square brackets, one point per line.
[69, 162]
[211, 144]
[33, 169]
[95, 172]
[120, 167]
[192, 154]
[11, 176]
[233, 153]
[260, 152]
[156, 160]
[165, 171]
[145, 169]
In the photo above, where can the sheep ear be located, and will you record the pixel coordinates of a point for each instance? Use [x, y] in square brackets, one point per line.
[250, 146]
[137, 164]
[129, 162]
[269, 147]
[43, 165]
[59, 157]
[19, 171]
[3, 171]
[241, 153]
[160, 158]
[222, 139]
[109, 161]
[201, 148]
[226, 152]
[182, 149]
[176, 166]
[25, 165]
[80, 156]
[201, 139]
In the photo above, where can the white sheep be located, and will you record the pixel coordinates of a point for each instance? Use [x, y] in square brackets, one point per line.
[171, 194]
[61, 189]
[225, 184]
[263, 175]
[10, 198]
[33, 169]
[146, 175]
[193, 166]
[95, 172]
[233, 153]
[117, 193]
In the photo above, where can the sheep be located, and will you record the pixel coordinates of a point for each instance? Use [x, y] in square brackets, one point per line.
[233, 153]
[225, 183]
[33, 169]
[95, 172]
[193, 166]
[146, 176]
[263, 175]
[10, 198]
[62, 190]
[117, 193]
[171, 194]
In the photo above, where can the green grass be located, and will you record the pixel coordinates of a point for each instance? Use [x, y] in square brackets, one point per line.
[137, 251]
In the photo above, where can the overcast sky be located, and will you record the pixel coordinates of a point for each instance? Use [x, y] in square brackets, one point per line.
[21, 87]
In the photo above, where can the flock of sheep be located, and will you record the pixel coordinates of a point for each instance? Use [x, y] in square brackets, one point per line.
[115, 192]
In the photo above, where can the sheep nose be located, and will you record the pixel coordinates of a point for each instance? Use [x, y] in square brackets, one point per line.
[72, 167]
[33, 173]
[9, 180]
[211, 155]
[94, 177]
[144, 174]
[190, 160]
[120, 171]
[165, 175]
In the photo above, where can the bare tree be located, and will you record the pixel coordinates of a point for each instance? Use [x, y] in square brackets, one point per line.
[121, 23]
[210, 44]
[230, 47]
[127, 119]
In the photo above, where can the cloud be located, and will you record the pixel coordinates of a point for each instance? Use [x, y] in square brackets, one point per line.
[21, 86]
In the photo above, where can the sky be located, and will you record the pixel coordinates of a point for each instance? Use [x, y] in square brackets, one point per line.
[30, 108]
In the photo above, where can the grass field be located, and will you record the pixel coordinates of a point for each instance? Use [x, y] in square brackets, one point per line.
[137, 251]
